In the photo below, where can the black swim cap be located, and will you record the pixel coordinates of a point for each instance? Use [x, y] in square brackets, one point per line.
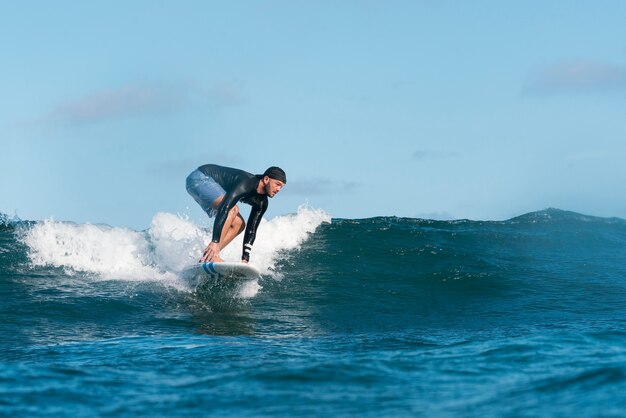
[276, 173]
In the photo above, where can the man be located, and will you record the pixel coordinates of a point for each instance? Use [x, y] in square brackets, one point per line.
[218, 189]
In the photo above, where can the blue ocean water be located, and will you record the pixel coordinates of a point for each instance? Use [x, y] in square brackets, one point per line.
[352, 317]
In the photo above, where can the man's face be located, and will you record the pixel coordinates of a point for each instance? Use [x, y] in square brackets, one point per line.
[272, 186]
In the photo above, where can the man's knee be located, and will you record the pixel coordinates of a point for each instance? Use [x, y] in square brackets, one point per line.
[217, 202]
[234, 211]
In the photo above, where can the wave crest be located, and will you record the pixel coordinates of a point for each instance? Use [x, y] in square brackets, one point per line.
[162, 251]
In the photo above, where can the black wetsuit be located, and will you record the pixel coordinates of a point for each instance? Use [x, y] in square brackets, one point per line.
[239, 186]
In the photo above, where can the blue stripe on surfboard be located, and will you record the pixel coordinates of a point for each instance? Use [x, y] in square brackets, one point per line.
[205, 267]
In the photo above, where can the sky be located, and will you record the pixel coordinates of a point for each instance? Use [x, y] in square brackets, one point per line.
[433, 109]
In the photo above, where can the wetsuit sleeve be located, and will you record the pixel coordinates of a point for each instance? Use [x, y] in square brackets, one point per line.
[230, 199]
[256, 214]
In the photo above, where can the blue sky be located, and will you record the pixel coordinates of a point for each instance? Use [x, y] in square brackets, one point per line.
[480, 110]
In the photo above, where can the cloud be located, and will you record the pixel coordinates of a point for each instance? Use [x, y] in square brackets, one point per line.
[118, 102]
[431, 155]
[320, 186]
[577, 76]
[141, 99]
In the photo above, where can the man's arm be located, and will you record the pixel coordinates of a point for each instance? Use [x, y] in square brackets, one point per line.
[256, 214]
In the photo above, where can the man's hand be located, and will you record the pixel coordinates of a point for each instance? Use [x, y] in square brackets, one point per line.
[211, 252]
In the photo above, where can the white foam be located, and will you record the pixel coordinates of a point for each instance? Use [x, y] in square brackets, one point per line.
[274, 237]
[163, 251]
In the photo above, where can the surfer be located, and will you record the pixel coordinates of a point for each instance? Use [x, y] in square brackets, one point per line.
[218, 189]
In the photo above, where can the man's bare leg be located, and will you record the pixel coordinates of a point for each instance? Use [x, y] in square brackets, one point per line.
[233, 226]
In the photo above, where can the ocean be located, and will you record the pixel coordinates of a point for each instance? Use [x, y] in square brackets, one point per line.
[375, 317]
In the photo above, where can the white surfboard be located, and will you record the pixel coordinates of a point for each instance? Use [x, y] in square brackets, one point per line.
[227, 270]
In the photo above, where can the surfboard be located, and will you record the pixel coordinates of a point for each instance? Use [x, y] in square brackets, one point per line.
[227, 270]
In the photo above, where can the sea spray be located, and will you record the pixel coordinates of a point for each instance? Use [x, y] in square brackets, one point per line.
[175, 241]
[107, 252]
[161, 252]
[280, 235]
